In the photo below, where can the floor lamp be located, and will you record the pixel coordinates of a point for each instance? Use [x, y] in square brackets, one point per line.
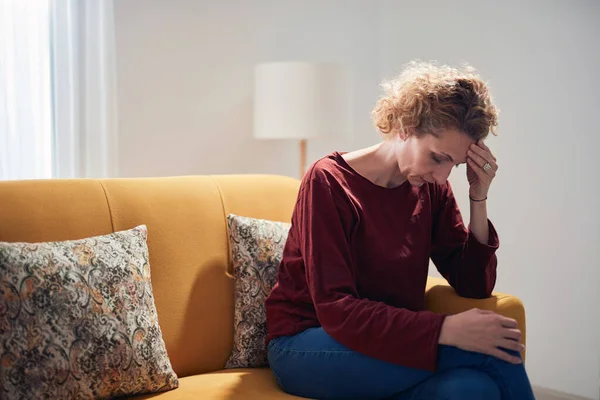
[300, 101]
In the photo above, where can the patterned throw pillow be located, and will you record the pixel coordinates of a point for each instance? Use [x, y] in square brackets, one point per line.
[78, 321]
[256, 249]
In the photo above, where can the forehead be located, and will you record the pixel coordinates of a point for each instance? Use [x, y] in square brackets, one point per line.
[452, 142]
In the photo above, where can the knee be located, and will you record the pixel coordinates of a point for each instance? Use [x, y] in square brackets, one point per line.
[469, 384]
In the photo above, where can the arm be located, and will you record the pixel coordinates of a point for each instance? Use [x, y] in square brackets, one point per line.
[463, 257]
[470, 267]
[480, 177]
[324, 221]
[479, 221]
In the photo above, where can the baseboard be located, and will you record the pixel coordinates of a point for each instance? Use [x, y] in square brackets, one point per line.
[549, 394]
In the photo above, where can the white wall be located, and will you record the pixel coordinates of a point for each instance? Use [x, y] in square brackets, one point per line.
[541, 59]
[185, 87]
[185, 70]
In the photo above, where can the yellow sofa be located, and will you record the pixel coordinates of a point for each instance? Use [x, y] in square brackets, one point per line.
[189, 258]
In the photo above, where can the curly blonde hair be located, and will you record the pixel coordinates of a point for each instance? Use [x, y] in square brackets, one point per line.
[427, 97]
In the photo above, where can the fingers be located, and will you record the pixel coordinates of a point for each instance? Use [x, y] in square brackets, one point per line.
[507, 322]
[484, 154]
[478, 169]
[481, 157]
[484, 146]
[480, 145]
[509, 344]
[513, 334]
[501, 354]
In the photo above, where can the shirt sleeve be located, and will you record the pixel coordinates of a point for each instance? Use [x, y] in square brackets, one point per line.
[468, 265]
[391, 334]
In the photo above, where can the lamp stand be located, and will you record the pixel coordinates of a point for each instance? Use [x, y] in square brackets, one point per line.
[302, 157]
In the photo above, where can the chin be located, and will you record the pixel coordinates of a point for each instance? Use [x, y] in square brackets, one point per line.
[417, 182]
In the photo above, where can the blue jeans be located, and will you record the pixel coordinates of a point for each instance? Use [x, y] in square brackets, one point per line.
[312, 364]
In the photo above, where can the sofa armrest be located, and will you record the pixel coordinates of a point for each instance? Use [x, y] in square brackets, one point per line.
[441, 298]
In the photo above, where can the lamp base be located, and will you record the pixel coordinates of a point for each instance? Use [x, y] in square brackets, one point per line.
[302, 157]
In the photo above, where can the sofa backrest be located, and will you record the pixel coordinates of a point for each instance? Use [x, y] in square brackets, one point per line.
[187, 240]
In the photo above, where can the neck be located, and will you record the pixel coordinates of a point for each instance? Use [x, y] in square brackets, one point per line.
[378, 163]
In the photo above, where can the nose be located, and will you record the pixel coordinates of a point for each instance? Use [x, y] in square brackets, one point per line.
[441, 174]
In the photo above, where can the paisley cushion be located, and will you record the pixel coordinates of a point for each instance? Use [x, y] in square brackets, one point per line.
[256, 250]
[77, 319]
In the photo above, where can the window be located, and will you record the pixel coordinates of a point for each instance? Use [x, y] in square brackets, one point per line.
[57, 59]
[25, 90]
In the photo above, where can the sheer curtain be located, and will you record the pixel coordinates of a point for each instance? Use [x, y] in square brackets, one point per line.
[25, 90]
[84, 77]
[58, 114]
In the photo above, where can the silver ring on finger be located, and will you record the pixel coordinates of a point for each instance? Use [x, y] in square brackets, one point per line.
[487, 167]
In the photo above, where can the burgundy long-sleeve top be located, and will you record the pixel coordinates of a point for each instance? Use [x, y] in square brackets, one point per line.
[356, 263]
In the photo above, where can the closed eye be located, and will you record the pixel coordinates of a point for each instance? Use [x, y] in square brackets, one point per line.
[438, 160]
[435, 158]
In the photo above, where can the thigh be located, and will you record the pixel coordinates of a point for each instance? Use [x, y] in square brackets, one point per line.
[454, 384]
[312, 364]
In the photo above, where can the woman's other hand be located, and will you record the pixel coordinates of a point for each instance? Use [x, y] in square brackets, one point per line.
[483, 331]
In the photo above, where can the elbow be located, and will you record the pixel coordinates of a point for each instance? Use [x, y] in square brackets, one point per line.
[478, 284]
[477, 290]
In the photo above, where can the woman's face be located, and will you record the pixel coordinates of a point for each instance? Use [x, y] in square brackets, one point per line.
[430, 158]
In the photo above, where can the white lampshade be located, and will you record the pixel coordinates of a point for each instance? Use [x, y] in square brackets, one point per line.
[301, 100]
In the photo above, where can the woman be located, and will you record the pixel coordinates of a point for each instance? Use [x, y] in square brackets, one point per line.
[346, 319]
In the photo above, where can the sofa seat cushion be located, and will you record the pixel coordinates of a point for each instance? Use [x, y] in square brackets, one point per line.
[230, 384]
